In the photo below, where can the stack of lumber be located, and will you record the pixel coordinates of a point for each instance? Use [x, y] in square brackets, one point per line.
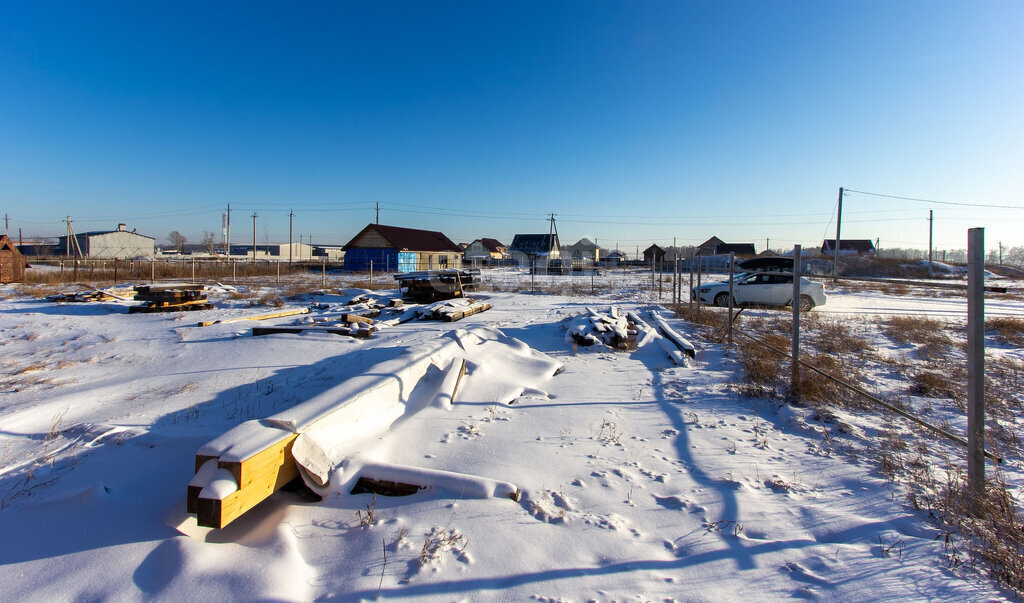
[611, 329]
[433, 285]
[171, 298]
[452, 309]
[238, 470]
[324, 436]
[676, 347]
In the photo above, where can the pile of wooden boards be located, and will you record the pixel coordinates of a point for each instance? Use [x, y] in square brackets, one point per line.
[612, 329]
[352, 325]
[433, 285]
[171, 298]
[452, 310]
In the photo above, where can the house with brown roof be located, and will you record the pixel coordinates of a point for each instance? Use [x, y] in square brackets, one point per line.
[393, 248]
[848, 247]
[484, 249]
[655, 254]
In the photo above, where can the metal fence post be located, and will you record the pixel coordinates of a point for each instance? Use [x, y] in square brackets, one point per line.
[732, 266]
[690, 296]
[976, 366]
[795, 365]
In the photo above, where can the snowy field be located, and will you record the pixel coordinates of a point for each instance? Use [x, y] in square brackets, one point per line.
[640, 480]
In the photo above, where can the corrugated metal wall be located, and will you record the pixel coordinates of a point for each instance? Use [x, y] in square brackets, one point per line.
[359, 259]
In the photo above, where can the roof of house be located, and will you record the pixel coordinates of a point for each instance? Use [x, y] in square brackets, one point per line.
[493, 245]
[584, 243]
[711, 243]
[858, 245]
[654, 249]
[410, 239]
[737, 248]
[534, 243]
[7, 243]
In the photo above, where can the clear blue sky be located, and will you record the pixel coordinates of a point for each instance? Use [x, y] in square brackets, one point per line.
[634, 122]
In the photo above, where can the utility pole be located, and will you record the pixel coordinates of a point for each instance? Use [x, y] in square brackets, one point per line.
[378, 213]
[253, 237]
[1000, 250]
[931, 222]
[839, 221]
[553, 236]
[7, 225]
[291, 213]
[227, 234]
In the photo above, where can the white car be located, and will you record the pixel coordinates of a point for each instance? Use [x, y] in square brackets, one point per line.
[764, 289]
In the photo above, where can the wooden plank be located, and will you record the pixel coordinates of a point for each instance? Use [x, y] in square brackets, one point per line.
[176, 308]
[259, 331]
[257, 477]
[280, 314]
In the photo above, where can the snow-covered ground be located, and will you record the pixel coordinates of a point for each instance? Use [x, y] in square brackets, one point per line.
[640, 480]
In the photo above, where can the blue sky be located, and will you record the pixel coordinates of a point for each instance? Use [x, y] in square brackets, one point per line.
[634, 122]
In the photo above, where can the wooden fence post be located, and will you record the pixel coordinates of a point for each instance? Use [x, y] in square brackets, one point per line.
[976, 366]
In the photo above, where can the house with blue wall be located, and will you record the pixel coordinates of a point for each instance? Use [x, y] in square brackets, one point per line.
[397, 249]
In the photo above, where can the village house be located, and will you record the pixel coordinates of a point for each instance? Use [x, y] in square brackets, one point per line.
[529, 248]
[12, 263]
[655, 254]
[393, 248]
[848, 247]
[482, 250]
[585, 250]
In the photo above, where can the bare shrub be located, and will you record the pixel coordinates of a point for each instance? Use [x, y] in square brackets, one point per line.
[933, 384]
[268, 299]
[1007, 328]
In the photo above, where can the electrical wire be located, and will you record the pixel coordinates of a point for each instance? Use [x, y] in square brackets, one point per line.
[989, 205]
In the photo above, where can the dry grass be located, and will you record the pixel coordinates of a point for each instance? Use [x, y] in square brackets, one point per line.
[834, 336]
[1009, 329]
[917, 330]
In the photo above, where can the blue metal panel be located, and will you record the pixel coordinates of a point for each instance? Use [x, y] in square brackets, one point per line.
[359, 259]
[408, 262]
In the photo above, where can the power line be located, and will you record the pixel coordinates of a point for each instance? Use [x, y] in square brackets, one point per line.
[990, 205]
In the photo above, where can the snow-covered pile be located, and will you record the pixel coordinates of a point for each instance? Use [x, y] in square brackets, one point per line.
[639, 479]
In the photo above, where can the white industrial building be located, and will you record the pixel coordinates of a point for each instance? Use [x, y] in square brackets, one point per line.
[275, 251]
[120, 243]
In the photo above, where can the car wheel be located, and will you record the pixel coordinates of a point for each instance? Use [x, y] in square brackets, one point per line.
[806, 303]
[722, 300]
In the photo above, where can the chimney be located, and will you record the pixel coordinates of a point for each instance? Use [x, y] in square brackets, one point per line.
[121, 227]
